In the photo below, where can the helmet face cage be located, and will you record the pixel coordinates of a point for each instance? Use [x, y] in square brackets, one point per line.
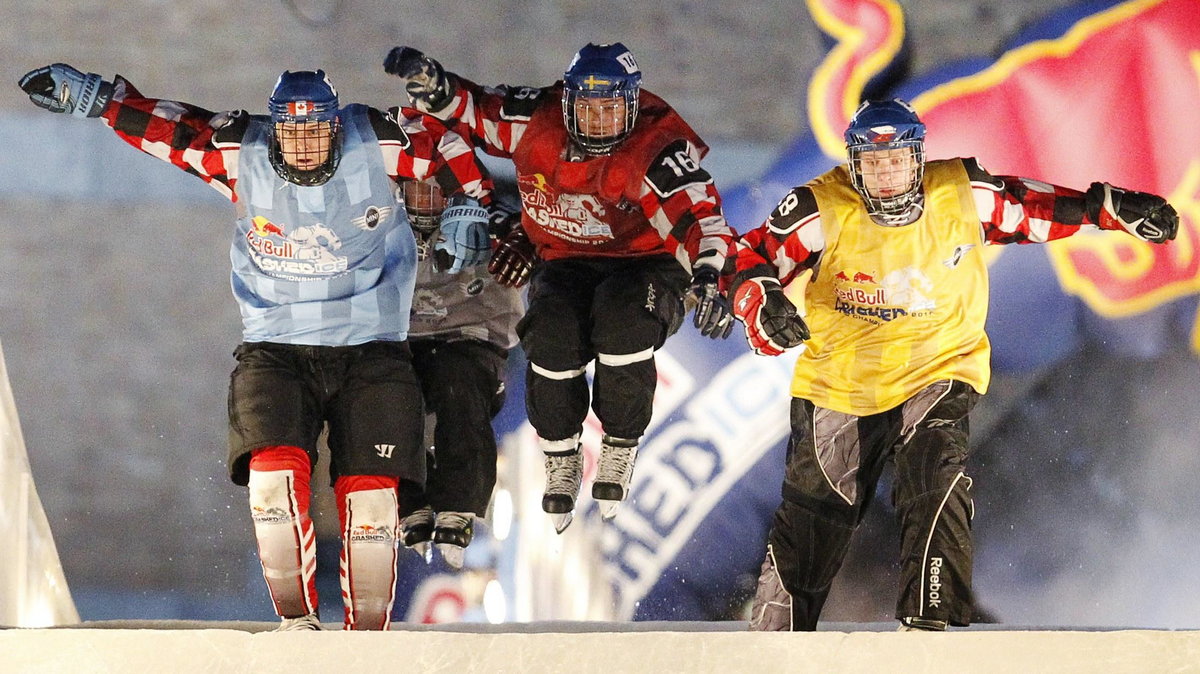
[306, 130]
[885, 148]
[600, 97]
[424, 203]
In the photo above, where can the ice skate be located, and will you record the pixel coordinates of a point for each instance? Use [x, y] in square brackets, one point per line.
[613, 474]
[922, 625]
[304, 623]
[452, 535]
[564, 474]
[416, 530]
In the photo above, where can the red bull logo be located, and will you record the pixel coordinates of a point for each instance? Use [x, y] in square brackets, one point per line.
[264, 227]
[860, 277]
[260, 238]
[534, 181]
[369, 533]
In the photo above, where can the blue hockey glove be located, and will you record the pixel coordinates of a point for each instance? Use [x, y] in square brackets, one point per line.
[713, 317]
[61, 88]
[1147, 216]
[463, 237]
[424, 78]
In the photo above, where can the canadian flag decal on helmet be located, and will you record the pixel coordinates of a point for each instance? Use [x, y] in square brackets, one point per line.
[883, 134]
[300, 107]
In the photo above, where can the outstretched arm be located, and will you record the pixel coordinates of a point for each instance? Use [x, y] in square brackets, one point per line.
[175, 132]
[495, 116]
[1022, 210]
[419, 147]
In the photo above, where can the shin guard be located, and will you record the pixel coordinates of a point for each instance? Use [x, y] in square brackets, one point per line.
[279, 498]
[369, 515]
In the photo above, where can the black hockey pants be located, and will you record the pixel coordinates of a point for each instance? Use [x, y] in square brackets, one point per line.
[462, 384]
[834, 461]
[615, 311]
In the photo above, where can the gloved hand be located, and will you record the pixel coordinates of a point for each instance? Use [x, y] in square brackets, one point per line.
[425, 80]
[463, 236]
[61, 88]
[712, 316]
[1147, 216]
[513, 259]
[772, 324]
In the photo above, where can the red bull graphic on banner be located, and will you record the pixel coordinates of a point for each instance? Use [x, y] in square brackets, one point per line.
[1107, 91]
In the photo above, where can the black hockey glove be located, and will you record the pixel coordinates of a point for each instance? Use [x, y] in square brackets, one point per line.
[513, 259]
[772, 323]
[425, 80]
[1147, 216]
[713, 317]
[61, 88]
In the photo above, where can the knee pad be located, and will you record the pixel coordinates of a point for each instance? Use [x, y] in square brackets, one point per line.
[369, 513]
[279, 499]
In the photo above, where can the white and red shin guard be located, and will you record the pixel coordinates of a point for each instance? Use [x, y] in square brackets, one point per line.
[279, 498]
[369, 514]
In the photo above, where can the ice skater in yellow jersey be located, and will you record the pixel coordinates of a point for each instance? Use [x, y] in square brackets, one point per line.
[895, 351]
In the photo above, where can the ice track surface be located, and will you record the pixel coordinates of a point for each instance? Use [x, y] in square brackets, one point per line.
[583, 647]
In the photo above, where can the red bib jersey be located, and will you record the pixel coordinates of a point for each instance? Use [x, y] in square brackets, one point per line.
[648, 197]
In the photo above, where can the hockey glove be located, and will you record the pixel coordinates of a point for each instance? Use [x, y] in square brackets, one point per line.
[772, 324]
[1147, 216]
[463, 236]
[713, 317]
[513, 259]
[61, 88]
[425, 80]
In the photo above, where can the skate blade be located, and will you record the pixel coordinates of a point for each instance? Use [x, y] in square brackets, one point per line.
[562, 520]
[608, 509]
[452, 554]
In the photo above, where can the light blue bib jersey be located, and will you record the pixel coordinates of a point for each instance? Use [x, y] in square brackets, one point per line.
[327, 265]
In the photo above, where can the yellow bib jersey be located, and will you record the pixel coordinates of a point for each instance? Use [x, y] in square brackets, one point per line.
[894, 309]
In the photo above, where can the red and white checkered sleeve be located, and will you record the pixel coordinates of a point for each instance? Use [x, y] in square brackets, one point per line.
[786, 244]
[681, 202]
[178, 133]
[495, 118]
[427, 148]
[1013, 209]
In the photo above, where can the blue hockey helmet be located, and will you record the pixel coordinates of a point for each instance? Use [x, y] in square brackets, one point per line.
[885, 148]
[305, 118]
[601, 80]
